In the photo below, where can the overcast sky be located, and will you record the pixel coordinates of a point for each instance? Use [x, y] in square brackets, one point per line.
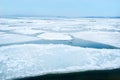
[60, 7]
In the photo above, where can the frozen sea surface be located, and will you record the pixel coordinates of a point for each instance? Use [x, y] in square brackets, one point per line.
[30, 46]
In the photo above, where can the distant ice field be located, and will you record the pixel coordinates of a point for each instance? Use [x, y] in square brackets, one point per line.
[30, 46]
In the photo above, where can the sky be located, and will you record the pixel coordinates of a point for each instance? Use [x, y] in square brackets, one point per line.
[60, 7]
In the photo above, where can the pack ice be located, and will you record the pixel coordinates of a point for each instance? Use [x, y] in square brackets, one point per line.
[30, 46]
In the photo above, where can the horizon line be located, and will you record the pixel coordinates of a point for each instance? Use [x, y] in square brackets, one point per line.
[58, 16]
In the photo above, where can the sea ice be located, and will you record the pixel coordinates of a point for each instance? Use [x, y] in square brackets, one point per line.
[30, 46]
[55, 36]
[33, 59]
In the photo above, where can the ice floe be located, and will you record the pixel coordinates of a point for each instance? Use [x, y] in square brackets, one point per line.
[55, 36]
[33, 59]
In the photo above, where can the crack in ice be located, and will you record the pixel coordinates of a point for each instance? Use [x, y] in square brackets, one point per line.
[73, 42]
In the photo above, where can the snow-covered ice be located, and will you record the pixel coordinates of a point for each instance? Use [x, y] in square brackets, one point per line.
[33, 59]
[30, 46]
[55, 36]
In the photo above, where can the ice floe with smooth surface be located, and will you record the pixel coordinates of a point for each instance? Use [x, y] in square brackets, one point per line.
[111, 38]
[55, 36]
[14, 38]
